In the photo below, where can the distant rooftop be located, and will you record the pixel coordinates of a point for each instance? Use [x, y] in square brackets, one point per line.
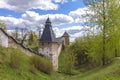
[65, 34]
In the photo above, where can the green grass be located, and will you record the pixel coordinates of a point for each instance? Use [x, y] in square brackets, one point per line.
[108, 72]
[22, 73]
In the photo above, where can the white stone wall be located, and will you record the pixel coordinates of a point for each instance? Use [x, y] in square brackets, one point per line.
[55, 55]
[59, 49]
[51, 51]
[45, 49]
[3, 39]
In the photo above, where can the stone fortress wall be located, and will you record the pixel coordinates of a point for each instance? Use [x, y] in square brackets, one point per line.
[8, 41]
[49, 46]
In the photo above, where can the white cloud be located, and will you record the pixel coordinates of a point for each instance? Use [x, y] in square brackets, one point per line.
[56, 19]
[80, 14]
[10, 20]
[73, 31]
[31, 19]
[60, 1]
[31, 16]
[59, 19]
[18, 5]
[73, 28]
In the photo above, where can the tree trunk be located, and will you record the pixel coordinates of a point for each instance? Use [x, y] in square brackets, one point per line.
[104, 35]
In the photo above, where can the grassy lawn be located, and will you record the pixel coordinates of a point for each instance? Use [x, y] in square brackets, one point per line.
[21, 73]
[108, 72]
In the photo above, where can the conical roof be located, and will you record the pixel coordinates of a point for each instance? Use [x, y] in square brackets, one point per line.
[65, 34]
[48, 34]
[48, 20]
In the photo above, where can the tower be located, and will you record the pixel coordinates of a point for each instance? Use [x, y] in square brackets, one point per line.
[65, 38]
[49, 47]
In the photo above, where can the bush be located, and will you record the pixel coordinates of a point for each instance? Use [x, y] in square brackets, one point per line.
[33, 70]
[15, 60]
[35, 48]
[41, 64]
[68, 61]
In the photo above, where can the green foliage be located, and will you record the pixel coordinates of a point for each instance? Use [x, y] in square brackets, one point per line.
[103, 30]
[88, 50]
[79, 48]
[108, 72]
[68, 61]
[41, 64]
[32, 38]
[25, 71]
[33, 70]
[16, 60]
[32, 41]
[34, 47]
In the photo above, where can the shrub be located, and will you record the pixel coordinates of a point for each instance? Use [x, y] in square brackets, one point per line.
[68, 61]
[33, 70]
[35, 48]
[15, 60]
[41, 64]
[1, 60]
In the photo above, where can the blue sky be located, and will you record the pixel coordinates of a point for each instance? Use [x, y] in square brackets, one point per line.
[64, 14]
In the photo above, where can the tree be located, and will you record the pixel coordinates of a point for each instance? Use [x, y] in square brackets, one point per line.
[69, 60]
[32, 40]
[16, 33]
[107, 22]
[3, 26]
[23, 31]
[24, 37]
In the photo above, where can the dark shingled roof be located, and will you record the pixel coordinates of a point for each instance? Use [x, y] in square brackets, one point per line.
[48, 34]
[48, 20]
[65, 34]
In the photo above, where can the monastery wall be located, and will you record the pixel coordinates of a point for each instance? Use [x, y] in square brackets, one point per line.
[3, 39]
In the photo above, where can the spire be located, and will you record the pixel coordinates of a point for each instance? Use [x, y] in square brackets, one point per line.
[48, 20]
[65, 34]
[48, 34]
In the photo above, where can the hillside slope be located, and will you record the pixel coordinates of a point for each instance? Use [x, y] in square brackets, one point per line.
[108, 72]
[26, 71]
[20, 68]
